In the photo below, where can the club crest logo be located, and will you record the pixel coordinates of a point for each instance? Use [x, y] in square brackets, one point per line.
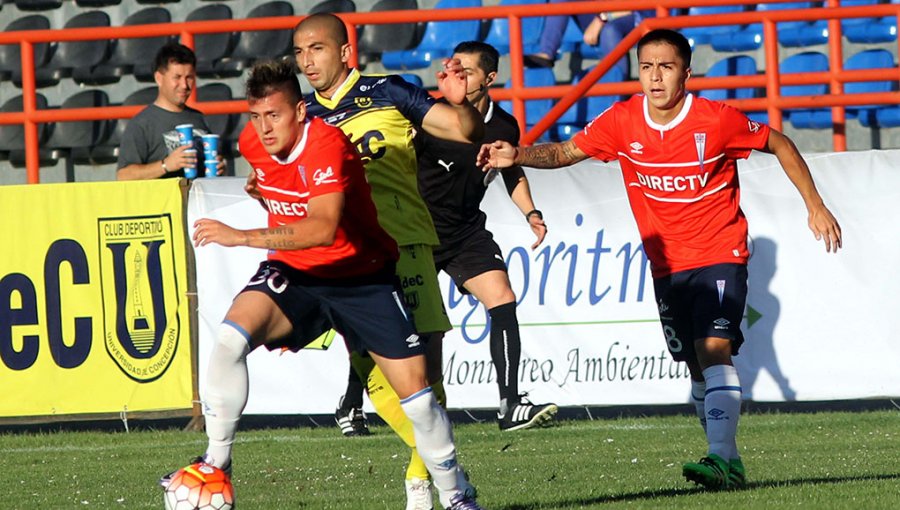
[363, 102]
[140, 294]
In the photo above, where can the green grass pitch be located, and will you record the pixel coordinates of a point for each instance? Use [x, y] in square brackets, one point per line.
[825, 460]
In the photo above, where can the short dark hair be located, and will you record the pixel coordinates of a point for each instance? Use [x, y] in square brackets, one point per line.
[270, 76]
[173, 52]
[680, 42]
[333, 25]
[488, 56]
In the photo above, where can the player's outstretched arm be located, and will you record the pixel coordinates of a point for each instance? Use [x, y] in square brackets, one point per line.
[520, 193]
[316, 229]
[456, 120]
[822, 223]
[252, 188]
[502, 154]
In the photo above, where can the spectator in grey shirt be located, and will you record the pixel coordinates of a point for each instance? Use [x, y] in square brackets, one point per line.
[150, 148]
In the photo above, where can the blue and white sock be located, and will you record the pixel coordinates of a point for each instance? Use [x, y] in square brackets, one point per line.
[722, 409]
[434, 441]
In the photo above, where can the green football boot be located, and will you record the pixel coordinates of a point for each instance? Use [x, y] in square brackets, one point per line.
[711, 472]
[737, 475]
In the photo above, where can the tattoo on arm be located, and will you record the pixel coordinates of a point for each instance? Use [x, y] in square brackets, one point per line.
[272, 242]
[548, 155]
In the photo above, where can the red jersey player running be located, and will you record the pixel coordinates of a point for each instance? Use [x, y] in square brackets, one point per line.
[678, 156]
[330, 265]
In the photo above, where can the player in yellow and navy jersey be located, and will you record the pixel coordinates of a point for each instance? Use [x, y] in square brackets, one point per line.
[380, 115]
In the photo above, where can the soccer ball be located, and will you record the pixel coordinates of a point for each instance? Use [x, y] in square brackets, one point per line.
[200, 487]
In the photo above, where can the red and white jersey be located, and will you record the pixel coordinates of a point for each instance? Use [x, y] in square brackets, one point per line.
[681, 178]
[323, 162]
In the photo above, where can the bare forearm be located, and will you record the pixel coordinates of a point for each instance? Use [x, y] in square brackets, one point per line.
[795, 167]
[135, 172]
[549, 155]
[471, 123]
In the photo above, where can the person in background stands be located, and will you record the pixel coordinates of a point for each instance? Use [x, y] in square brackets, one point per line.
[150, 147]
[606, 29]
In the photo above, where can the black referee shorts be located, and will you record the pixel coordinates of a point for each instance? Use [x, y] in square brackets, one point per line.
[474, 255]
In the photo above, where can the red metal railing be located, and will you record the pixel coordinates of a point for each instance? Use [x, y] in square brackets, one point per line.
[774, 103]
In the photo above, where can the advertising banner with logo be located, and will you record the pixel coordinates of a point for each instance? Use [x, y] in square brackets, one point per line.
[818, 325]
[93, 299]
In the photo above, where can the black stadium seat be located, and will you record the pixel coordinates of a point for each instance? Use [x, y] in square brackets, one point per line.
[258, 45]
[333, 6]
[210, 48]
[107, 151]
[129, 56]
[222, 124]
[12, 136]
[38, 5]
[73, 139]
[375, 39]
[93, 4]
[71, 55]
[10, 58]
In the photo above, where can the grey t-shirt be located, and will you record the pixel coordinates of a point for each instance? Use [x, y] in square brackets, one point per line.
[151, 136]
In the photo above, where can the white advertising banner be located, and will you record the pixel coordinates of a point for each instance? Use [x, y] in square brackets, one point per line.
[818, 326]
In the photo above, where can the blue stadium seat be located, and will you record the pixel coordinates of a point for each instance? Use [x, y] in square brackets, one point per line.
[535, 109]
[498, 34]
[738, 65]
[588, 107]
[868, 115]
[703, 35]
[817, 31]
[413, 78]
[871, 30]
[438, 41]
[751, 36]
[806, 62]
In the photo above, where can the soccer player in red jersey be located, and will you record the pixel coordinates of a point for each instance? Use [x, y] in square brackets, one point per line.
[330, 265]
[678, 156]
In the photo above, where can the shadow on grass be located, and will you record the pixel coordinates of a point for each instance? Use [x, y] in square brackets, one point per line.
[670, 493]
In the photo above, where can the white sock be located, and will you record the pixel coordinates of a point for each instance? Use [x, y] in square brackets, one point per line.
[723, 409]
[698, 396]
[434, 441]
[227, 387]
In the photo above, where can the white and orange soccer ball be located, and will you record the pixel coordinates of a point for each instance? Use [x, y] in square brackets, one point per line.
[200, 487]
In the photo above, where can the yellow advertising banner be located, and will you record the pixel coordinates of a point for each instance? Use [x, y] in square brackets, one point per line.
[94, 315]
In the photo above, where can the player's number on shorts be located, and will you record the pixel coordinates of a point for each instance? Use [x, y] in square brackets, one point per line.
[272, 278]
[673, 341]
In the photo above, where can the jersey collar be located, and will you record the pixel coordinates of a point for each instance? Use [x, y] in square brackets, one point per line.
[297, 150]
[341, 91]
[490, 112]
[685, 108]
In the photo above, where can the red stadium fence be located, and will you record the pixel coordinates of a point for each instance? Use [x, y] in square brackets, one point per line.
[774, 103]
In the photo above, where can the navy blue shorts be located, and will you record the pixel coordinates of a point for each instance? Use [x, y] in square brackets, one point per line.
[702, 303]
[476, 254]
[366, 310]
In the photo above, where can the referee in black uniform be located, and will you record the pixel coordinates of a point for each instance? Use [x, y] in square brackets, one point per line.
[453, 187]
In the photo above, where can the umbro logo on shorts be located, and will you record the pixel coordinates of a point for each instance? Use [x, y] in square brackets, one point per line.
[412, 341]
